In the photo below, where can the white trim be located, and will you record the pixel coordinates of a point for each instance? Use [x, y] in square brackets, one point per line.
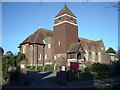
[65, 15]
[65, 22]
[44, 41]
[48, 63]
[72, 60]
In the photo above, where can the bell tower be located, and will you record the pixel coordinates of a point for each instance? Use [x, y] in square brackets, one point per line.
[65, 30]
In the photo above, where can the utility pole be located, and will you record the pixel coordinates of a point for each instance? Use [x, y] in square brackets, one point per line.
[43, 56]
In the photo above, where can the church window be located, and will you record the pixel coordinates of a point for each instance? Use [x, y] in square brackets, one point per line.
[58, 42]
[45, 56]
[71, 56]
[86, 55]
[49, 45]
[54, 57]
[39, 56]
[93, 55]
[99, 57]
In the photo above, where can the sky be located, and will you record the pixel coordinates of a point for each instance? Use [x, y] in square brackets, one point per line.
[95, 21]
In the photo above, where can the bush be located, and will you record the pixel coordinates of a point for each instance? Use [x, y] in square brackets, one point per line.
[86, 76]
[99, 70]
[7, 61]
[73, 75]
[116, 69]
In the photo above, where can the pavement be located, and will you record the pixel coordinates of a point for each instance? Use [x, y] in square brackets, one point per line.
[47, 80]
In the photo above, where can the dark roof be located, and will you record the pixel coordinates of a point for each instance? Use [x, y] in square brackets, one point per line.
[38, 36]
[65, 10]
[75, 48]
[89, 43]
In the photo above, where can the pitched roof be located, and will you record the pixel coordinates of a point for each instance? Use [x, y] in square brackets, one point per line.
[90, 43]
[65, 10]
[75, 48]
[38, 36]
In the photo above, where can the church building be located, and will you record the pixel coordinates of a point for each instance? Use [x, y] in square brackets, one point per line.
[62, 44]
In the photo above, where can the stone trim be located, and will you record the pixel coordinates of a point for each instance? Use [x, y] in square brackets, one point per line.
[65, 22]
[65, 15]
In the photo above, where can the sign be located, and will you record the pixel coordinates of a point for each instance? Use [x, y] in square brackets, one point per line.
[74, 66]
[22, 66]
[63, 68]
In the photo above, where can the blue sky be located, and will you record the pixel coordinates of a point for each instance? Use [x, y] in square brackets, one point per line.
[95, 22]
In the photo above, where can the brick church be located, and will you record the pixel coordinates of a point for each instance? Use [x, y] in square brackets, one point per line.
[62, 45]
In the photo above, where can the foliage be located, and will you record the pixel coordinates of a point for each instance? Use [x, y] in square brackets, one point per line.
[116, 69]
[10, 61]
[20, 57]
[9, 53]
[111, 50]
[86, 76]
[99, 70]
[1, 51]
[73, 75]
[7, 61]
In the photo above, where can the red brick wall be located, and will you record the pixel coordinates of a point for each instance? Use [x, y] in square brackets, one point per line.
[66, 34]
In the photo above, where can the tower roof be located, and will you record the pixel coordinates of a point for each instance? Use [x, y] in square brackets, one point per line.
[65, 10]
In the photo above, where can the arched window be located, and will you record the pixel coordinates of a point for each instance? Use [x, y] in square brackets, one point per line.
[86, 55]
[99, 57]
[93, 56]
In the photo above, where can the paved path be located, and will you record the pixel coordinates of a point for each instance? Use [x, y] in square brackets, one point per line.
[47, 80]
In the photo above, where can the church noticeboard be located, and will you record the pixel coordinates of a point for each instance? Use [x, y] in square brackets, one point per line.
[74, 66]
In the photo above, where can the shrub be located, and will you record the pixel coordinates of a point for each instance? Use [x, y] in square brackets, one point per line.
[99, 70]
[116, 69]
[86, 76]
[73, 75]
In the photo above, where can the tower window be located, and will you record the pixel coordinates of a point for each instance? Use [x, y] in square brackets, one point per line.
[59, 19]
[71, 18]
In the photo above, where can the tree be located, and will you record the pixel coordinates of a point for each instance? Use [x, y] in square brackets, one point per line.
[1, 51]
[9, 53]
[7, 62]
[20, 57]
[100, 70]
[111, 50]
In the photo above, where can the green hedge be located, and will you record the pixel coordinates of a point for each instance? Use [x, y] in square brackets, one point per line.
[40, 68]
[99, 70]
